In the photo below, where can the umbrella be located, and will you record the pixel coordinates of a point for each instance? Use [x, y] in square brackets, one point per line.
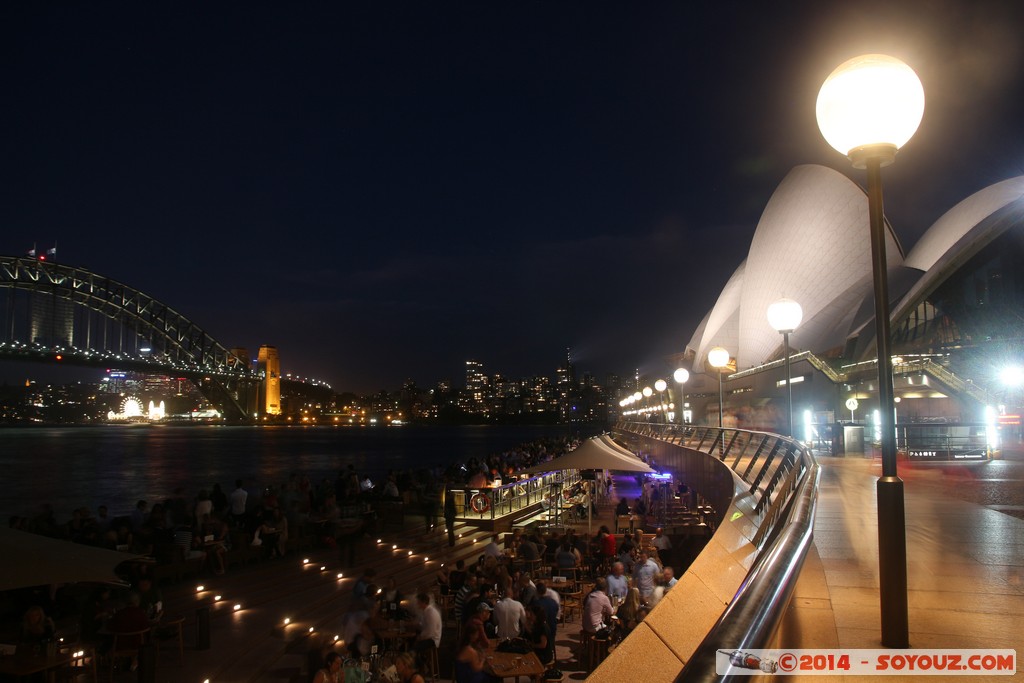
[595, 453]
[34, 560]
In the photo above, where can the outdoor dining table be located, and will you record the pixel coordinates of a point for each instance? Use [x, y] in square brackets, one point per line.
[512, 665]
[24, 664]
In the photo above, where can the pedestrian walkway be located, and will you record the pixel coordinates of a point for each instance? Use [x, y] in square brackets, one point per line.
[965, 561]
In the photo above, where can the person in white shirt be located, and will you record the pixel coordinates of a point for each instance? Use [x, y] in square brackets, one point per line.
[509, 615]
[492, 548]
[238, 499]
[661, 541]
[670, 578]
[618, 585]
[431, 625]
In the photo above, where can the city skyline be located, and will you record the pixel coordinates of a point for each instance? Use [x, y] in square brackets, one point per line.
[382, 193]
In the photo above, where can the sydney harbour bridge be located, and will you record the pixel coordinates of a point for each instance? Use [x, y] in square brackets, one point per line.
[57, 313]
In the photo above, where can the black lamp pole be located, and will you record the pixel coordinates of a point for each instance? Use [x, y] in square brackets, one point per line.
[892, 536]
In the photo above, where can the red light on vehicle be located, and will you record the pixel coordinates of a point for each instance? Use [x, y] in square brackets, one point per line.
[59, 357]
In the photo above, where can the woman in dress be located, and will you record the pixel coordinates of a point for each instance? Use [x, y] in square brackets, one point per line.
[331, 673]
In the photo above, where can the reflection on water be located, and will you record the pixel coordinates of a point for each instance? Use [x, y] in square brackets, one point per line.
[72, 467]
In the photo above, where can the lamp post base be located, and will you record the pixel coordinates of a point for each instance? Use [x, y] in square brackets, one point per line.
[892, 562]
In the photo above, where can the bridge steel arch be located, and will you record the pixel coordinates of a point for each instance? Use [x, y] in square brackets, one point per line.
[52, 307]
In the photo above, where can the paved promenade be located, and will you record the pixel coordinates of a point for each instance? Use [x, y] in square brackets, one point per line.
[965, 558]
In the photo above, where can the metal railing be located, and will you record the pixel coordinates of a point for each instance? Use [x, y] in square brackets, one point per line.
[508, 499]
[772, 465]
[782, 476]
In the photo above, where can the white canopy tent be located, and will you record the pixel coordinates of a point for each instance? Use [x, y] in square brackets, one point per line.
[596, 453]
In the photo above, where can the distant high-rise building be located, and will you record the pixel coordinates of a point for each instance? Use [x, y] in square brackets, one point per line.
[476, 388]
[269, 365]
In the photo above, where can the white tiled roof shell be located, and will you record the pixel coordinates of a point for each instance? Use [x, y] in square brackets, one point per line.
[952, 237]
[720, 326]
[811, 245]
[959, 220]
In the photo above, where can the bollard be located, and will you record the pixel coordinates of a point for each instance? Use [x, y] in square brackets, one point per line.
[203, 628]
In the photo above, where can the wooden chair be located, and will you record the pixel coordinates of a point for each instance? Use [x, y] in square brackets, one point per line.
[170, 631]
[126, 645]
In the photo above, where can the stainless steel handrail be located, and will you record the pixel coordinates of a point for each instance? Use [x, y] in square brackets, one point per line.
[785, 490]
[759, 605]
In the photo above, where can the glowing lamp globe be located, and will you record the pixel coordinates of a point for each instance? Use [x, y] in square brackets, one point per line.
[648, 391]
[784, 315]
[681, 375]
[660, 385]
[870, 106]
[637, 396]
[718, 357]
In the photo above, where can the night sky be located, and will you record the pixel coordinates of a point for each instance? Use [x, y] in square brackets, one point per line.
[384, 190]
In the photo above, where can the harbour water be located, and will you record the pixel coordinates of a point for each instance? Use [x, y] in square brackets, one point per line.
[87, 466]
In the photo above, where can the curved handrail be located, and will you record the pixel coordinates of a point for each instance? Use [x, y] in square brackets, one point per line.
[783, 477]
[759, 605]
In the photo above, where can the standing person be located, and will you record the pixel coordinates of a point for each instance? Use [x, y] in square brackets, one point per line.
[449, 515]
[644, 574]
[238, 501]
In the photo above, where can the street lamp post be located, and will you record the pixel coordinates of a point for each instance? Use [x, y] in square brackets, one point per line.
[719, 358]
[681, 375]
[660, 386]
[784, 315]
[867, 109]
[647, 404]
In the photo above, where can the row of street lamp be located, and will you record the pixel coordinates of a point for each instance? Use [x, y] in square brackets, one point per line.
[784, 316]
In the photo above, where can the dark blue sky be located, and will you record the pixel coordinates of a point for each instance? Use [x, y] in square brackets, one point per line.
[384, 190]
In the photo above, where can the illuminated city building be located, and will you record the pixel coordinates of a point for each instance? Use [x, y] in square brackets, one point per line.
[269, 366]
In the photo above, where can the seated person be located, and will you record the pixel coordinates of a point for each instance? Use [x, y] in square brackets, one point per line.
[538, 634]
[390, 601]
[566, 558]
[331, 671]
[407, 668]
[629, 611]
[130, 619]
[469, 659]
[457, 576]
[622, 508]
[36, 627]
[597, 609]
[150, 598]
